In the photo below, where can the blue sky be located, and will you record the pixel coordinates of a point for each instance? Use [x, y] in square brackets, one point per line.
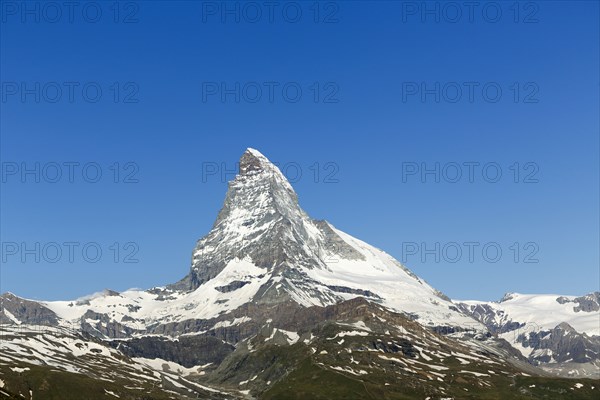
[378, 84]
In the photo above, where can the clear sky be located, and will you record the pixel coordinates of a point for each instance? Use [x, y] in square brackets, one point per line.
[157, 96]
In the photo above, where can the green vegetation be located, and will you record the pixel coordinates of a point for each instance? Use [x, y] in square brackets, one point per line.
[311, 381]
[48, 384]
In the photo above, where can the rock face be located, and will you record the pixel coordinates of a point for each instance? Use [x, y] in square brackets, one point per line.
[563, 344]
[14, 309]
[490, 317]
[188, 351]
[260, 219]
[587, 303]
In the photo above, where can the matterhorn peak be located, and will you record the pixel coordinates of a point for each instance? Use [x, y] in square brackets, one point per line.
[259, 190]
[260, 219]
[255, 166]
[262, 237]
[253, 161]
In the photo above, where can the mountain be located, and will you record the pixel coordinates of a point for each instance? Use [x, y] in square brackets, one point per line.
[558, 333]
[278, 305]
[263, 237]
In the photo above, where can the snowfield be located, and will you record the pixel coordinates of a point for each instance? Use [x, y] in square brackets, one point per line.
[542, 312]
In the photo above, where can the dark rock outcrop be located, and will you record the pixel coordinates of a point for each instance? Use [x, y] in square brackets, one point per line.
[25, 311]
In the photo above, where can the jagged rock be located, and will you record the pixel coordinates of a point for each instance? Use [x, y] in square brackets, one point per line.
[343, 289]
[231, 286]
[188, 351]
[562, 344]
[587, 303]
[25, 311]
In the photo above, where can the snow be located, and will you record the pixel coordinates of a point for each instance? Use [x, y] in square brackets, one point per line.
[198, 304]
[307, 341]
[235, 321]
[291, 337]
[438, 367]
[174, 382]
[381, 274]
[389, 358]
[542, 312]
[511, 338]
[159, 364]
[360, 325]
[350, 370]
[19, 370]
[474, 373]
[11, 316]
[350, 333]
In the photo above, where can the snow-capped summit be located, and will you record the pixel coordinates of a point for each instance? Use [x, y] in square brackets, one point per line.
[253, 161]
[260, 190]
[260, 220]
[302, 260]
